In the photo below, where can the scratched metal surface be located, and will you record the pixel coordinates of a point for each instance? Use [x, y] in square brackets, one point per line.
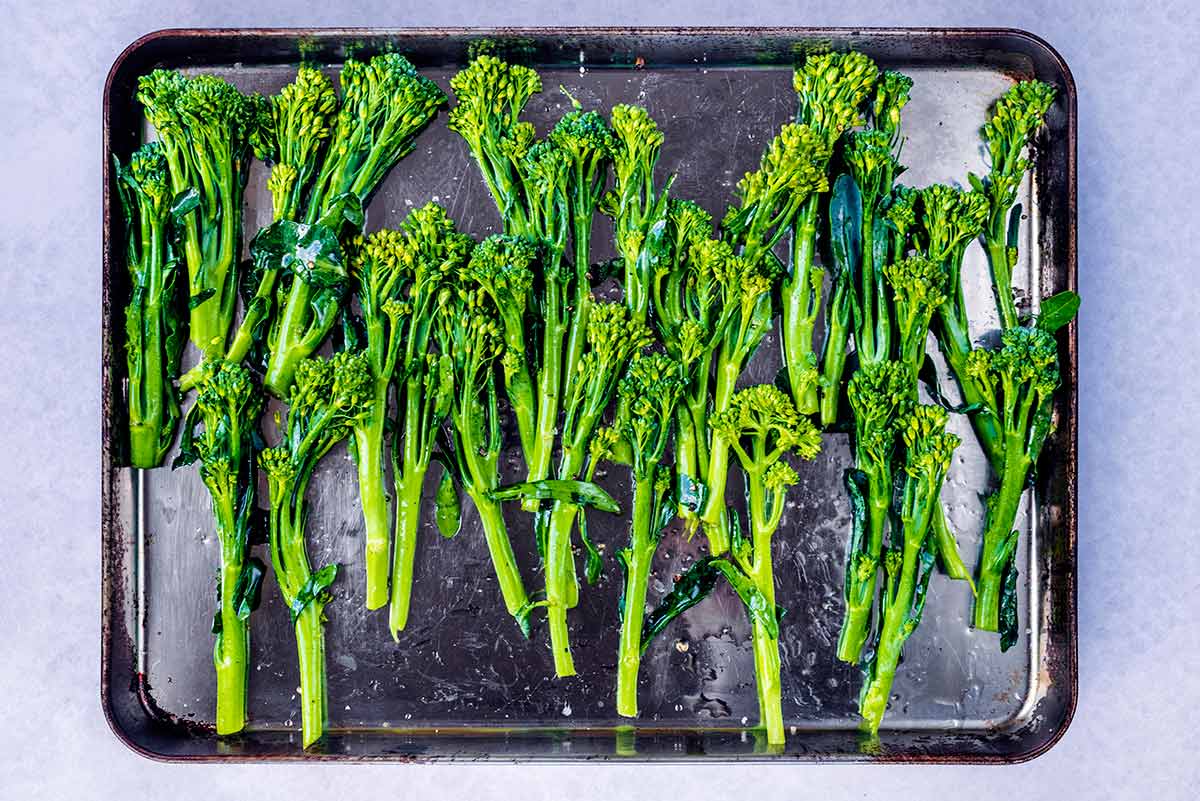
[461, 664]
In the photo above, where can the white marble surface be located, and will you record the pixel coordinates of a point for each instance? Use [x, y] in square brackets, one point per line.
[1132, 737]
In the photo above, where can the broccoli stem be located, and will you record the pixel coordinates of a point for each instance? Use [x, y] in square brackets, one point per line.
[891, 639]
[508, 575]
[766, 647]
[310, 647]
[999, 537]
[581, 222]
[560, 584]
[997, 253]
[373, 498]
[288, 352]
[955, 345]
[857, 622]
[231, 652]
[146, 412]
[638, 559]
[716, 525]
[408, 520]
[549, 384]
[801, 302]
[833, 358]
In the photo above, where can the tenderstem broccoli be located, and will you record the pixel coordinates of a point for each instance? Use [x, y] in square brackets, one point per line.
[791, 169]
[470, 341]
[385, 104]
[650, 390]
[325, 401]
[153, 325]
[860, 243]
[614, 336]
[398, 278]
[221, 433]
[881, 395]
[1017, 116]
[908, 564]
[1018, 381]
[762, 426]
[205, 125]
[831, 90]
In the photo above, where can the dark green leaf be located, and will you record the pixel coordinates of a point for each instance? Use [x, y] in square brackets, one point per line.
[200, 297]
[447, 506]
[580, 493]
[346, 207]
[845, 225]
[1014, 226]
[1008, 604]
[310, 252]
[925, 564]
[1040, 428]
[691, 588]
[591, 570]
[186, 201]
[929, 377]
[1057, 311]
[856, 489]
[975, 182]
[692, 494]
[248, 590]
[316, 589]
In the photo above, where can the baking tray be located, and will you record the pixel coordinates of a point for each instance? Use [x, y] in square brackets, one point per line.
[461, 684]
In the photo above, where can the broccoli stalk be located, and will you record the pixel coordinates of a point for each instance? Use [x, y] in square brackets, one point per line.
[326, 400]
[153, 328]
[860, 243]
[293, 126]
[909, 562]
[649, 392]
[1018, 382]
[220, 432]
[546, 192]
[762, 425]
[791, 170]
[831, 88]
[385, 104]
[470, 341]
[613, 338]
[691, 316]
[1017, 116]
[880, 394]
[205, 125]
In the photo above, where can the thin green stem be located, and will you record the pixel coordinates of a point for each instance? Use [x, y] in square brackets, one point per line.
[639, 557]
[999, 539]
[374, 501]
[231, 653]
[310, 647]
[559, 578]
[801, 299]
[408, 520]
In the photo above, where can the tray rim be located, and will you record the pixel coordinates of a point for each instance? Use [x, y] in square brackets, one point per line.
[1068, 683]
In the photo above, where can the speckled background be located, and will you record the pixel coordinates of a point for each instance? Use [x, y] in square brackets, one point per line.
[1132, 734]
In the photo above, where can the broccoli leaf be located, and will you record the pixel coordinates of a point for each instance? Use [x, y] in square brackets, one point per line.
[692, 493]
[1008, 605]
[315, 589]
[310, 252]
[845, 224]
[1057, 311]
[856, 488]
[447, 507]
[691, 588]
[580, 493]
[591, 570]
[248, 590]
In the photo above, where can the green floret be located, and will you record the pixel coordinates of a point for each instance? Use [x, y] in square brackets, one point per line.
[831, 89]
[650, 389]
[637, 206]
[880, 396]
[301, 120]
[891, 96]
[220, 432]
[398, 277]
[909, 563]
[763, 426]
[1018, 382]
[385, 104]
[205, 125]
[327, 399]
[153, 317]
[1016, 118]
[918, 289]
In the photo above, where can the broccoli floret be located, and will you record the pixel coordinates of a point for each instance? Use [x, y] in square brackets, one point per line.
[918, 289]
[832, 89]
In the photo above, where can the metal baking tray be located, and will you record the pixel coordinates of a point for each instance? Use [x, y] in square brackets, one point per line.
[462, 684]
